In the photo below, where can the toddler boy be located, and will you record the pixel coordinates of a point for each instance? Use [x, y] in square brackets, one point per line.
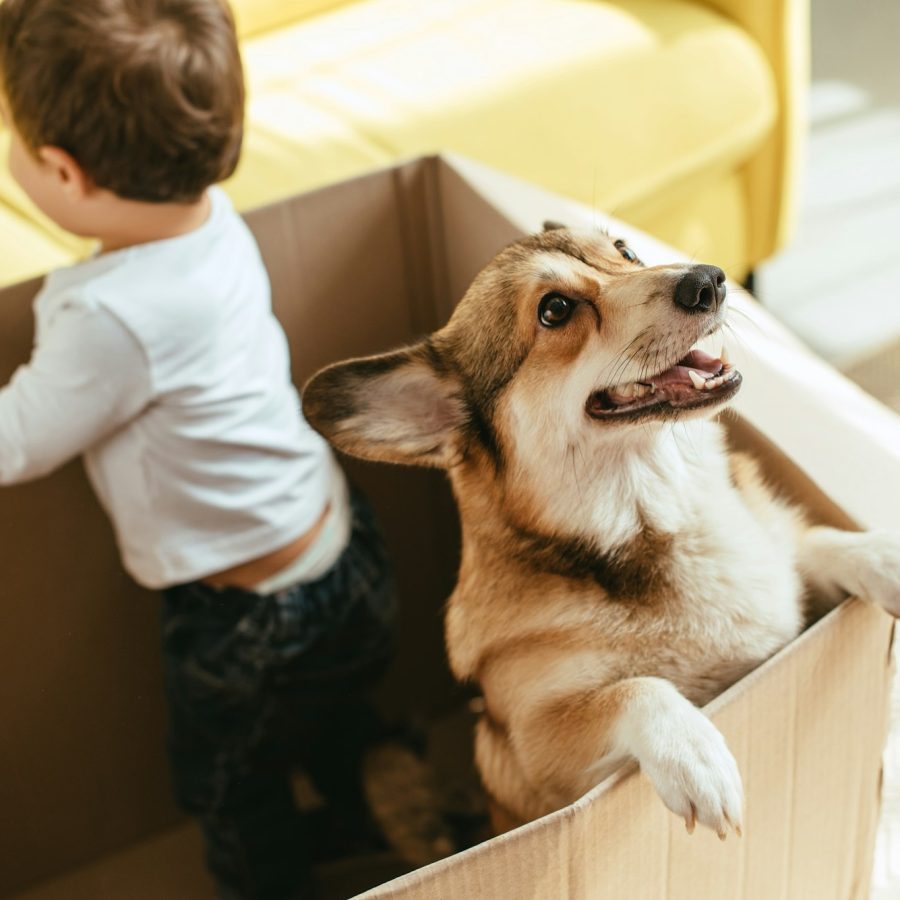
[159, 360]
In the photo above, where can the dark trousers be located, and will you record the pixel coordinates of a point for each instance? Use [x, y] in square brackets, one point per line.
[258, 685]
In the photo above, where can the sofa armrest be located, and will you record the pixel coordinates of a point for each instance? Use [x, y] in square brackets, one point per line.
[781, 28]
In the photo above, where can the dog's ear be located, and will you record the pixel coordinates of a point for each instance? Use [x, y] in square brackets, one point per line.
[551, 225]
[400, 407]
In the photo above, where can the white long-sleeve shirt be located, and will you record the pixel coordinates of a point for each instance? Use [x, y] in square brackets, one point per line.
[164, 365]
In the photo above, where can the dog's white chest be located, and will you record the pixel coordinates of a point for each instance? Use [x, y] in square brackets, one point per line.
[740, 599]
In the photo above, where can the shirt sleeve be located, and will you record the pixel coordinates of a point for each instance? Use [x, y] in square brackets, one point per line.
[87, 376]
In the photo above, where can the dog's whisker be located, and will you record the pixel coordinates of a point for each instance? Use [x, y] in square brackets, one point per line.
[620, 362]
[618, 356]
[625, 361]
[746, 320]
[571, 454]
[739, 331]
[617, 363]
[691, 438]
[735, 335]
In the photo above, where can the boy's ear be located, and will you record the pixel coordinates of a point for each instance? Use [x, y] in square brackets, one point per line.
[401, 407]
[69, 175]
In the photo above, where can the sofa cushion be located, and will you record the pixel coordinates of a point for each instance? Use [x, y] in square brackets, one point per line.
[256, 16]
[637, 97]
[12, 196]
[632, 95]
[27, 251]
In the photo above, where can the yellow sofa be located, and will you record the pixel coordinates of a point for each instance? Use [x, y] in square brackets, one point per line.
[681, 116]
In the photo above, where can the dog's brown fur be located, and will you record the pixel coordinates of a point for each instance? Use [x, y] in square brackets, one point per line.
[614, 573]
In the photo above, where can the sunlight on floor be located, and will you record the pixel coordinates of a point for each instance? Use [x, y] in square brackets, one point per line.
[838, 283]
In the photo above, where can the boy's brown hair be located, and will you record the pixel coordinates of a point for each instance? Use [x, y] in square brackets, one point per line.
[146, 95]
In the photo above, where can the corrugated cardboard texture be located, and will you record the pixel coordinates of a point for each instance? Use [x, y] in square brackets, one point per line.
[357, 268]
[82, 764]
[807, 731]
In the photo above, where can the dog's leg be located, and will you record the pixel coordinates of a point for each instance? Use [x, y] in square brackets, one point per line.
[502, 820]
[512, 798]
[677, 747]
[864, 564]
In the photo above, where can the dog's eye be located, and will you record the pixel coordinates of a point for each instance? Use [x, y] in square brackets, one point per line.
[554, 310]
[626, 251]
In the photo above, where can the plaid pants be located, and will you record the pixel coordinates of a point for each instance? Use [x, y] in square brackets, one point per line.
[257, 685]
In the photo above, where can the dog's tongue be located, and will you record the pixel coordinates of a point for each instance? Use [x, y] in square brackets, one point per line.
[705, 365]
[695, 378]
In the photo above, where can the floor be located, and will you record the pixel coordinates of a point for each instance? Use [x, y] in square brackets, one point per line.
[838, 284]
[169, 865]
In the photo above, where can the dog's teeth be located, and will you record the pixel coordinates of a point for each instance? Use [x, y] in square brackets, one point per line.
[625, 390]
[697, 381]
[714, 383]
[723, 357]
[641, 390]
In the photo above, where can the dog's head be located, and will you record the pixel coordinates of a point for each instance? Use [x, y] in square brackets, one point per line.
[564, 332]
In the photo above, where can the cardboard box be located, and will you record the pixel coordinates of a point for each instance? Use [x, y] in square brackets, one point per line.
[360, 267]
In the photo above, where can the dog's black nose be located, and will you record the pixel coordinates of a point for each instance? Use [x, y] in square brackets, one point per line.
[701, 289]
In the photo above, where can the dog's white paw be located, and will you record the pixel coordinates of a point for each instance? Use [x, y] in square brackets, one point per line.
[872, 559]
[695, 774]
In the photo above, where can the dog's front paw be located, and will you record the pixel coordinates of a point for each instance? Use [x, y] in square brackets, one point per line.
[695, 774]
[873, 562]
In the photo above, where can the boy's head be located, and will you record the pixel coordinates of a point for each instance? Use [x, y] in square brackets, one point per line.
[142, 99]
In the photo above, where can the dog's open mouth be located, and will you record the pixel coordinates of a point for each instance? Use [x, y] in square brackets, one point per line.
[695, 381]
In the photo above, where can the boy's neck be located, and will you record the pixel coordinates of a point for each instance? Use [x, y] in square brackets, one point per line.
[128, 223]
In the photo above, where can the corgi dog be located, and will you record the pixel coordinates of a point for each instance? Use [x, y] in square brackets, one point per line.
[619, 566]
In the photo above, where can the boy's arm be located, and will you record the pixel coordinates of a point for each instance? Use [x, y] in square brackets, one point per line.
[86, 377]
